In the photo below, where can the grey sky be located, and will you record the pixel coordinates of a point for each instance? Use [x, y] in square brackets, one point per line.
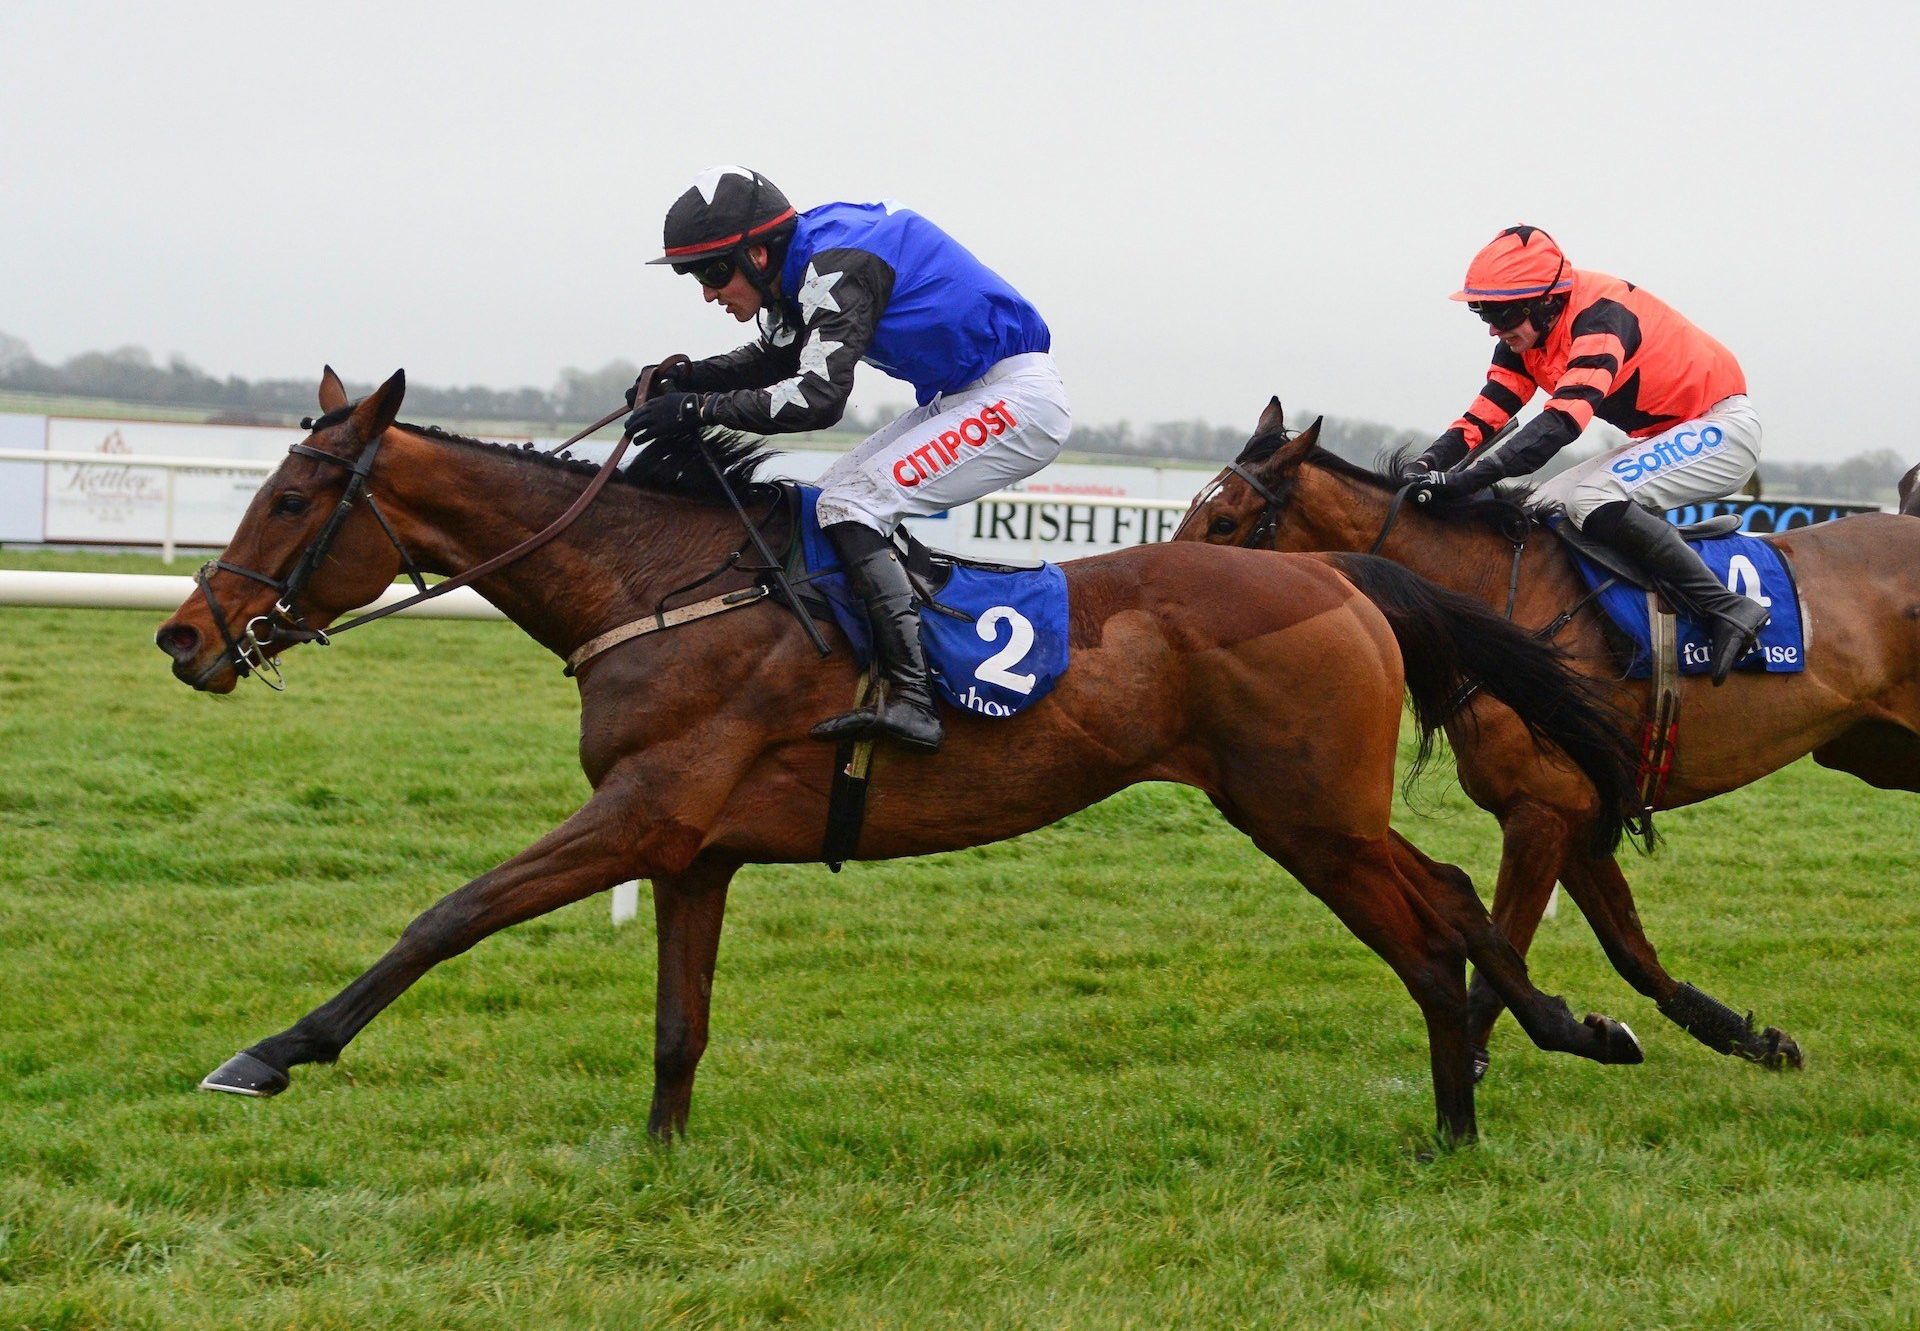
[1208, 204]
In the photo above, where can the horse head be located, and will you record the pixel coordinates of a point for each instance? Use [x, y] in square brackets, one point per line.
[306, 551]
[1242, 505]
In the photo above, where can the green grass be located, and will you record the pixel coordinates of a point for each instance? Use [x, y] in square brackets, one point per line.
[1120, 1073]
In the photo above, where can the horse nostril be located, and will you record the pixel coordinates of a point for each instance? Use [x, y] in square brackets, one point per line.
[180, 641]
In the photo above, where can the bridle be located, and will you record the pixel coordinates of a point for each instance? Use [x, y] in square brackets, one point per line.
[247, 651]
[1260, 537]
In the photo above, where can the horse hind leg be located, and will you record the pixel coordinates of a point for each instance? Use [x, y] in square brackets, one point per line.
[1357, 882]
[1533, 843]
[1880, 753]
[1548, 1021]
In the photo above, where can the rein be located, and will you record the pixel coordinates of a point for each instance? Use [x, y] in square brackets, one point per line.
[1517, 541]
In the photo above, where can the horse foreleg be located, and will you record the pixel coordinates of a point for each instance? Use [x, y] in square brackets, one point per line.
[1600, 889]
[688, 909]
[1548, 1021]
[589, 853]
[1533, 843]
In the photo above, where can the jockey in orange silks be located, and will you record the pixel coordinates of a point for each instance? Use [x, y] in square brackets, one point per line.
[1604, 347]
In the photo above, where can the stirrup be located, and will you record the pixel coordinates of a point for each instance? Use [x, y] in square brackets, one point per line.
[890, 718]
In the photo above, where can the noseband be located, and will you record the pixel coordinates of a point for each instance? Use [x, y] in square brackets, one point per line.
[247, 651]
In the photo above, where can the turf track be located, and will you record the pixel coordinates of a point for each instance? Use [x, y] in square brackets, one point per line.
[1119, 1073]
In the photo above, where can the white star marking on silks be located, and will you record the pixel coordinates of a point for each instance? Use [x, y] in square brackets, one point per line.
[813, 356]
[708, 181]
[783, 393]
[816, 294]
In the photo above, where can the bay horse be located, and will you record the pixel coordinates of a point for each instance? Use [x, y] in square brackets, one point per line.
[1856, 707]
[1274, 686]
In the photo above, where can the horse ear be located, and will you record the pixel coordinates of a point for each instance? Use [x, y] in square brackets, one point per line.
[377, 410]
[1310, 436]
[1272, 419]
[1910, 492]
[333, 393]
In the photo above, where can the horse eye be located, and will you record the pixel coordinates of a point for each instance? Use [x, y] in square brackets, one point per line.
[290, 503]
[1222, 526]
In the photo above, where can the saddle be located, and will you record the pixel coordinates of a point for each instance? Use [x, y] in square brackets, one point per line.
[928, 570]
[1617, 564]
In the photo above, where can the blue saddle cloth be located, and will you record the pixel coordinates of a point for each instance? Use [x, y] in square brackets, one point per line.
[996, 640]
[1748, 566]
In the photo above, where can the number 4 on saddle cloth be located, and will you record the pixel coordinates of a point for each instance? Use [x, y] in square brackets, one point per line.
[995, 636]
[1743, 564]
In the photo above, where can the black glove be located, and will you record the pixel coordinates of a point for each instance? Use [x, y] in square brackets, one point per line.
[1442, 453]
[669, 418]
[671, 380]
[1425, 486]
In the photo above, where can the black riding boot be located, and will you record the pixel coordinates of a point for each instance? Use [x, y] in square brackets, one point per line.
[906, 712]
[1734, 621]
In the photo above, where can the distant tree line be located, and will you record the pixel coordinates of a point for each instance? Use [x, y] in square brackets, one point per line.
[131, 375]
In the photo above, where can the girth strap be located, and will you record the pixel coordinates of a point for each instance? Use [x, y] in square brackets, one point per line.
[847, 797]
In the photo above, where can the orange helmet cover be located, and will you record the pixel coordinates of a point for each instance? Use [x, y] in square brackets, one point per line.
[1521, 263]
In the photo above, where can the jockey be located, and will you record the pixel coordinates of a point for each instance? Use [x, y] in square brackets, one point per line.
[1603, 347]
[848, 282]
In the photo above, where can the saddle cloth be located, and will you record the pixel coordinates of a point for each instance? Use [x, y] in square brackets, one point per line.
[1749, 566]
[995, 635]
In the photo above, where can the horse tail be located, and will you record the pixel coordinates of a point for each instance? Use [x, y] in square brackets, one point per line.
[1452, 644]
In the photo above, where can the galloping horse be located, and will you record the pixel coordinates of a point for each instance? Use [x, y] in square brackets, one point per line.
[1273, 686]
[1856, 708]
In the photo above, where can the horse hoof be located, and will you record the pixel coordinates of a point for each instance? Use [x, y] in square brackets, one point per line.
[243, 1074]
[1780, 1050]
[1482, 1060]
[1618, 1044]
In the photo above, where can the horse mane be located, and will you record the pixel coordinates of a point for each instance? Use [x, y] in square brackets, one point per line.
[659, 467]
[1500, 513]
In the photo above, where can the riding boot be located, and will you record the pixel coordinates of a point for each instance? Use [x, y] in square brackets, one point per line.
[906, 711]
[1733, 621]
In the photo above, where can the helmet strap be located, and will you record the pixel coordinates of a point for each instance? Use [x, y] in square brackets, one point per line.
[1546, 313]
[761, 280]
[1547, 307]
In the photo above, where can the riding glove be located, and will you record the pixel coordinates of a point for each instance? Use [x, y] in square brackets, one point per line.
[1442, 453]
[1424, 486]
[670, 418]
[670, 381]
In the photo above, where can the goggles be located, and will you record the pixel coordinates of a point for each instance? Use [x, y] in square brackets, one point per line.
[1503, 316]
[715, 272]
